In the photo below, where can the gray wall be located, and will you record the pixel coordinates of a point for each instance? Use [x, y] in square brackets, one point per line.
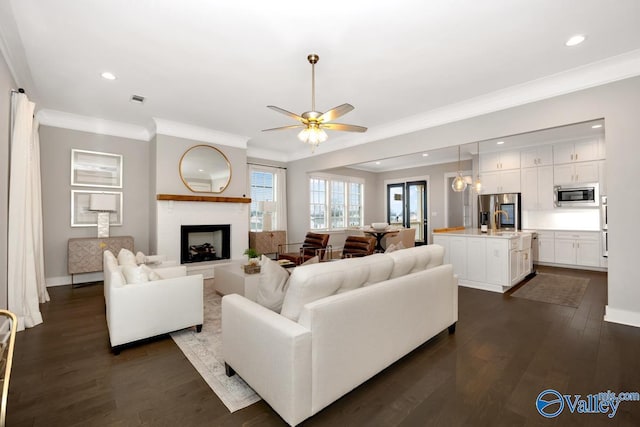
[169, 151]
[55, 153]
[6, 84]
[616, 102]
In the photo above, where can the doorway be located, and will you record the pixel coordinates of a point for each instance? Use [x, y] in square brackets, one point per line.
[407, 207]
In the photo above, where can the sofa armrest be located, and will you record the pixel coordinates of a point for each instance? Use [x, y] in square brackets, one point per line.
[271, 353]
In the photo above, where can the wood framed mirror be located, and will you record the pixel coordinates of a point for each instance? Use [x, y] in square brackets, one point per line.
[205, 169]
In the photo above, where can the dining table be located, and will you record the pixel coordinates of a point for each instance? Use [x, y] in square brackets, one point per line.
[379, 234]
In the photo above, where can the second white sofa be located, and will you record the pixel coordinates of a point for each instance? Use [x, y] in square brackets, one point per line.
[377, 309]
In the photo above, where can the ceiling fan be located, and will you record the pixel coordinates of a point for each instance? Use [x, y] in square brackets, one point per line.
[313, 123]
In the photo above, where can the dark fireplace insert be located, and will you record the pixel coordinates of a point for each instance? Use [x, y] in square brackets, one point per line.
[199, 243]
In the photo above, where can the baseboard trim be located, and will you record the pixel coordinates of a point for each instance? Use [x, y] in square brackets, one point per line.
[623, 317]
[77, 278]
[482, 286]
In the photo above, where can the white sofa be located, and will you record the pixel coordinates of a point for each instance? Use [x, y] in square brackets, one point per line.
[380, 308]
[144, 310]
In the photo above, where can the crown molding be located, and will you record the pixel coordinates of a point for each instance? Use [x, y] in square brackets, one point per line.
[66, 120]
[598, 73]
[197, 133]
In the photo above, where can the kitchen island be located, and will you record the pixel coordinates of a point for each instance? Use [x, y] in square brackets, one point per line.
[493, 261]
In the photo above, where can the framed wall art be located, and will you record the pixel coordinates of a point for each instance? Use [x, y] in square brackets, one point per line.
[95, 169]
[82, 216]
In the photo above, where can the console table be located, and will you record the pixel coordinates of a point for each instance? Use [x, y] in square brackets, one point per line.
[84, 254]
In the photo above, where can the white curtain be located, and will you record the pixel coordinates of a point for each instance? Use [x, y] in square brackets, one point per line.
[25, 272]
[281, 198]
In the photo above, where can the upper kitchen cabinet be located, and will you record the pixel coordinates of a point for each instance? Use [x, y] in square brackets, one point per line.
[578, 151]
[537, 188]
[499, 161]
[576, 173]
[507, 181]
[537, 156]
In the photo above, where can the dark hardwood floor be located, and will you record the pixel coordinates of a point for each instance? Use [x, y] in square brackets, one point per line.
[504, 353]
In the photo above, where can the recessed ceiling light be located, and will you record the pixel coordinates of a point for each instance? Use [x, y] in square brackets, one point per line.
[377, 163]
[108, 76]
[500, 142]
[425, 154]
[575, 40]
[596, 126]
[200, 170]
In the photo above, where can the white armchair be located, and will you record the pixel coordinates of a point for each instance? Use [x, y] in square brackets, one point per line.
[144, 310]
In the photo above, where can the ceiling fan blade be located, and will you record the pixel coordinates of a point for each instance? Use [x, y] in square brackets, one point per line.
[288, 113]
[336, 112]
[285, 127]
[339, 126]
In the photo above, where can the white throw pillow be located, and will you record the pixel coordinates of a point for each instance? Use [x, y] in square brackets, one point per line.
[140, 257]
[110, 261]
[392, 247]
[151, 273]
[126, 257]
[272, 284]
[134, 274]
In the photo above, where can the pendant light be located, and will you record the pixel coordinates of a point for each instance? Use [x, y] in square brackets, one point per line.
[477, 186]
[459, 184]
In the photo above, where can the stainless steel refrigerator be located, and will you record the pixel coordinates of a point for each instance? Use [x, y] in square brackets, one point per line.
[510, 203]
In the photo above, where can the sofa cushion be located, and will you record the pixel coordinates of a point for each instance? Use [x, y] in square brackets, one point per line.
[272, 284]
[117, 278]
[411, 260]
[313, 282]
[134, 274]
[126, 257]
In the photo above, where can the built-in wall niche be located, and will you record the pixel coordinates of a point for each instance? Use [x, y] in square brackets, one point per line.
[202, 243]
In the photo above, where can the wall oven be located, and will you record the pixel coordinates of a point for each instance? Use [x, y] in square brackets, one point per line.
[577, 195]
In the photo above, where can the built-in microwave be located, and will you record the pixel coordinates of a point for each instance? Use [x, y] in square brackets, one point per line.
[577, 195]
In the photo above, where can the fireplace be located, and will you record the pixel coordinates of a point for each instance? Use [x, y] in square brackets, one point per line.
[199, 243]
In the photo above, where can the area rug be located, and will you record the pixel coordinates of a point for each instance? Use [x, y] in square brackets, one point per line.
[554, 289]
[204, 351]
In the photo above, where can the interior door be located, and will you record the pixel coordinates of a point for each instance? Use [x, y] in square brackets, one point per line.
[407, 207]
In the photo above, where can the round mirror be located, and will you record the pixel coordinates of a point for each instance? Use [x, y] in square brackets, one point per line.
[204, 169]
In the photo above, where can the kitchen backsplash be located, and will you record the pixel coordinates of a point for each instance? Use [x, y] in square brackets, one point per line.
[562, 219]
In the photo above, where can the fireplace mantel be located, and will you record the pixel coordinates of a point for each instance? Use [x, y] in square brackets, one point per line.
[211, 199]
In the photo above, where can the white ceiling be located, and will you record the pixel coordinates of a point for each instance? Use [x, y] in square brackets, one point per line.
[217, 65]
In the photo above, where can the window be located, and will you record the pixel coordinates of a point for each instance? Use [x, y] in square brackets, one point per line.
[262, 190]
[335, 202]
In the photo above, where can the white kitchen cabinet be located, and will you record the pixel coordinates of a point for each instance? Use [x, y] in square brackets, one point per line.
[476, 262]
[546, 247]
[458, 255]
[497, 259]
[502, 160]
[507, 181]
[537, 188]
[575, 173]
[537, 156]
[578, 248]
[577, 151]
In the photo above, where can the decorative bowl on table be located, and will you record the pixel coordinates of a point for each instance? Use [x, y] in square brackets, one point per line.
[379, 226]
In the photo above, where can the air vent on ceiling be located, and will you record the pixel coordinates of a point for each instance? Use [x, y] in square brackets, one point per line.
[137, 98]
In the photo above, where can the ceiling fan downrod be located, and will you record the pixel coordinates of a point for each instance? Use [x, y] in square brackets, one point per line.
[313, 59]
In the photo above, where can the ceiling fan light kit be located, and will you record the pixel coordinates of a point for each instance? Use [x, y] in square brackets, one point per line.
[314, 123]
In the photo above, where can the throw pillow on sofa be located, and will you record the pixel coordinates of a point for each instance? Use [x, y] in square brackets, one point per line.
[134, 274]
[272, 284]
[126, 257]
[151, 274]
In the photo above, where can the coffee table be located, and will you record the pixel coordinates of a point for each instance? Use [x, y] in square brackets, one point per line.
[231, 279]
